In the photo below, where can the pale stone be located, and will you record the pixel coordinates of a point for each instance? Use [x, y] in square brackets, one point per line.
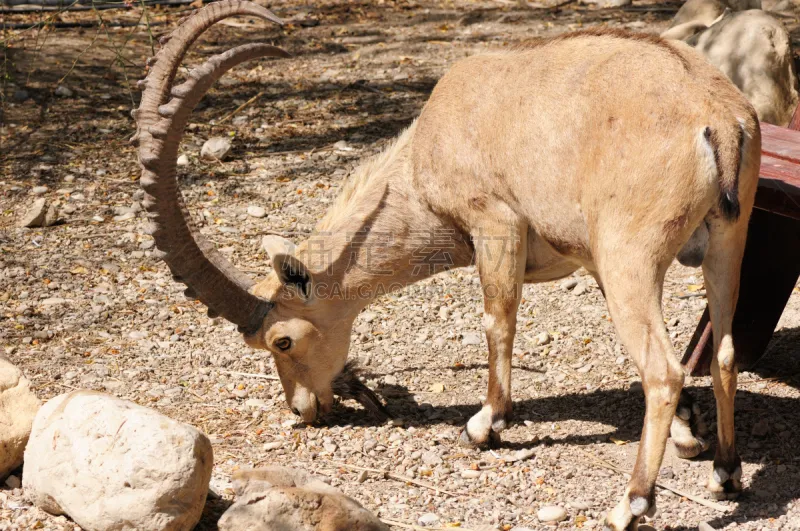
[279, 498]
[35, 215]
[428, 519]
[551, 513]
[112, 464]
[216, 148]
[18, 407]
[63, 92]
[256, 211]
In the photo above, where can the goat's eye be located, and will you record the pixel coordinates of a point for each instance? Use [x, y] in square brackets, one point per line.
[283, 343]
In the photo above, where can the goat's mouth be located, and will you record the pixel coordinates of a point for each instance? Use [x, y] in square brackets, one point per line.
[347, 385]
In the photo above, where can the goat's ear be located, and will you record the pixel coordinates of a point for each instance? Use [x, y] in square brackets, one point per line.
[684, 32]
[290, 270]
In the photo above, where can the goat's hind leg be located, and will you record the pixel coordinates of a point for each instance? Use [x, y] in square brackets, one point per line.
[689, 431]
[633, 290]
[500, 252]
[721, 273]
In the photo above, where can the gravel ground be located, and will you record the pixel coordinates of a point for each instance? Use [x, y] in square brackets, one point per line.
[84, 305]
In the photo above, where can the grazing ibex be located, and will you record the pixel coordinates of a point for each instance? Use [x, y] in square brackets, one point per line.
[601, 149]
[751, 47]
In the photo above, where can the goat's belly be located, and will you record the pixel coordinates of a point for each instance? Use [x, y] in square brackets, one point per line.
[544, 263]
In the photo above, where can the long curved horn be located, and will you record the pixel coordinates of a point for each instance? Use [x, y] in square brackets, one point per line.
[192, 259]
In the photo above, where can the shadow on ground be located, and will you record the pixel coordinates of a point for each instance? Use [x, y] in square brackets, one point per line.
[767, 492]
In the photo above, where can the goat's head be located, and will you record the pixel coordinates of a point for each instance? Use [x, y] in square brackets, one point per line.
[308, 338]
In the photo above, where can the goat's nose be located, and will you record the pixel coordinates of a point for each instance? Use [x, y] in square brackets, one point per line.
[295, 411]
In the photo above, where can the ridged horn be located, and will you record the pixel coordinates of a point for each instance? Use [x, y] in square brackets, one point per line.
[207, 274]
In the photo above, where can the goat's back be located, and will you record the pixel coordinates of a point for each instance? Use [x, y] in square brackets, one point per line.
[567, 128]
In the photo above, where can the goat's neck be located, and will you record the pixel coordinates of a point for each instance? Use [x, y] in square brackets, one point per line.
[380, 236]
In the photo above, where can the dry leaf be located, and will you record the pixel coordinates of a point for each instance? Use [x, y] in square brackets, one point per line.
[618, 442]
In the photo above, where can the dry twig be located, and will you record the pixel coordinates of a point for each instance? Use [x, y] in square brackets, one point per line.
[404, 525]
[250, 375]
[239, 108]
[405, 479]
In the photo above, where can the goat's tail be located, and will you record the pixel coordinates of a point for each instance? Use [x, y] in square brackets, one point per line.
[727, 144]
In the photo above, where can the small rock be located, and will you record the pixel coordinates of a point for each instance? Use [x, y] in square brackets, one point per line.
[761, 428]
[256, 403]
[579, 505]
[431, 458]
[551, 513]
[125, 217]
[329, 447]
[580, 289]
[36, 215]
[256, 211]
[667, 472]
[183, 160]
[216, 148]
[470, 338]
[470, 474]
[18, 407]
[63, 92]
[368, 317]
[328, 74]
[341, 145]
[39, 190]
[13, 482]
[428, 519]
[278, 498]
[543, 339]
[569, 283]
[704, 526]
[20, 95]
[363, 476]
[130, 458]
[51, 217]
[274, 445]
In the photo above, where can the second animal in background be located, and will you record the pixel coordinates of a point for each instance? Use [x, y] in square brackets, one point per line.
[748, 45]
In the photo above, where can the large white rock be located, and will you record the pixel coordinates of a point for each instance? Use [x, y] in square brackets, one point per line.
[18, 407]
[278, 498]
[111, 464]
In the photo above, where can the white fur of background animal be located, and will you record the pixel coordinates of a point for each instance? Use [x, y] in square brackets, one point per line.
[751, 47]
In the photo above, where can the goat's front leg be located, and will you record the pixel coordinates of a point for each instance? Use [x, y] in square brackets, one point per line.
[500, 254]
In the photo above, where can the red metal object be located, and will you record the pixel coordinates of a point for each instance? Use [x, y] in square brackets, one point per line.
[771, 262]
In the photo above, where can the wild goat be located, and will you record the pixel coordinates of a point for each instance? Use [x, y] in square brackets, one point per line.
[751, 47]
[600, 149]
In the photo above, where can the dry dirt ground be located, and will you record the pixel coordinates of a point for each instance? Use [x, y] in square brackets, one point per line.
[84, 305]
